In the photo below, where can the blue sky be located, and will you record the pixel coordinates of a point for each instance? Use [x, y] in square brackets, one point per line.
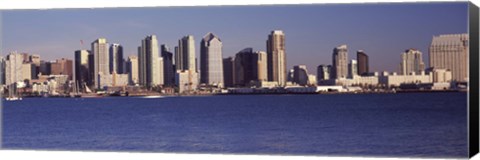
[383, 31]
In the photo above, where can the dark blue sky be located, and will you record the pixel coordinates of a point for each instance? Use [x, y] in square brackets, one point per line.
[383, 31]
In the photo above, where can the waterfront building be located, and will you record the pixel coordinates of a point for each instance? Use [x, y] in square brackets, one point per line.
[357, 81]
[116, 58]
[411, 62]
[13, 68]
[260, 57]
[81, 67]
[169, 70]
[113, 80]
[187, 82]
[228, 71]
[363, 65]
[244, 67]
[340, 62]
[352, 68]
[132, 69]
[211, 65]
[394, 80]
[149, 63]
[300, 75]
[441, 76]
[323, 72]
[62, 66]
[276, 57]
[101, 59]
[450, 51]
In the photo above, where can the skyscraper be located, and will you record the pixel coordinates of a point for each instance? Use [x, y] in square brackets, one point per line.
[229, 71]
[101, 60]
[362, 59]
[245, 67]
[211, 65]
[276, 58]
[13, 68]
[81, 67]
[116, 58]
[132, 69]
[35, 60]
[186, 54]
[149, 69]
[450, 52]
[169, 70]
[340, 62]
[411, 62]
[260, 57]
[186, 64]
[352, 68]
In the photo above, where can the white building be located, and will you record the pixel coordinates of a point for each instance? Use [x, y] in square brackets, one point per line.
[411, 62]
[450, 52]
[113, 80]
[13, 68]
[148, 60]
[132, 67]
[394, 80]
[276, 57]
[186, 81]
[352, 68]
[340, 62]
[101, 58]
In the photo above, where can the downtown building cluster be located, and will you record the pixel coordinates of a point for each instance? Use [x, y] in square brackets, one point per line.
[157, 68]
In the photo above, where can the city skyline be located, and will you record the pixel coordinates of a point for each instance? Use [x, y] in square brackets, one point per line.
[308, 42]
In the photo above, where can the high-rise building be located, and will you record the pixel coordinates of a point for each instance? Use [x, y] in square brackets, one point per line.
[62, 67]
[27, 71]
[228, 71]
[363, 64]
[161, 71]
[276, 57]
[186, 61]
[45, 67]
[2, 71]
[450, 51]
[211, 65]
[260, 57]
[116, 58]
[169, 70]
[245, 67]
[149, 69]
[13, 68]
[300, 75]
[132, 69]
[81, 67]
[340, 62]
[323, 72]
[35, 60]
[352, 68]
[412, 62]
[101, 60]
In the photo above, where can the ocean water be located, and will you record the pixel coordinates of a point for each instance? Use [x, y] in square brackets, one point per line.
[402, 124]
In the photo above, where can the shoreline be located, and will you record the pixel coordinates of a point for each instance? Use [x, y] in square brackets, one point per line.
[259, 93]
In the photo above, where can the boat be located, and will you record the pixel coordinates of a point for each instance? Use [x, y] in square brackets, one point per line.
[153, 96]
